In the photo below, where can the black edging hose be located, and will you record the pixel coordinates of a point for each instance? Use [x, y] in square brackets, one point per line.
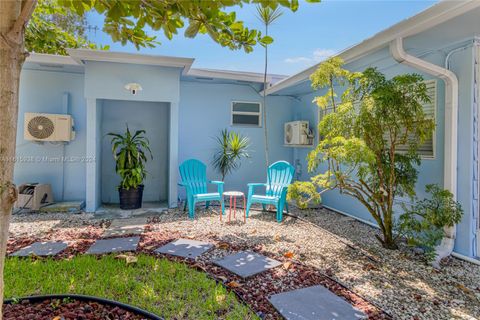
[127, 307]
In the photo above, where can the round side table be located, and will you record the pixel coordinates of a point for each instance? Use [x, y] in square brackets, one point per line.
[233, 199]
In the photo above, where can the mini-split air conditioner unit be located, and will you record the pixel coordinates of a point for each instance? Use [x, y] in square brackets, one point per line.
[296, 133]
[48, 127]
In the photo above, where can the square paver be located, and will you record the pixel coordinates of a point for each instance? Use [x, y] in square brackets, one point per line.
[185, 248]
[114, 245]
[122, 227]
[247, 263]
[41, 249]
[314, 302]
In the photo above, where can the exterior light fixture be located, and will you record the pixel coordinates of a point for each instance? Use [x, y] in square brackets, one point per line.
[133, 87]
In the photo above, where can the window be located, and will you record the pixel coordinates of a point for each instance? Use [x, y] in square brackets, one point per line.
[246, 114]
[427, 149]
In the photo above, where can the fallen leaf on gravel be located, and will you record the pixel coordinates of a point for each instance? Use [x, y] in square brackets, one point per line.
[150, 247]
[276, 238]
[287, 265]
[369, 267]
[200, 266]
[234, 284]
[223, 245]
[464, 288]
[288, 254]
[469, 292]
[254, 231]
[57, 318]
[224, 279]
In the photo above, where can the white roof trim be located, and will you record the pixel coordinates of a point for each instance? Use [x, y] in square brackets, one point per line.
[42, 58]
[425, 20]
[231, 75]
[81, 55]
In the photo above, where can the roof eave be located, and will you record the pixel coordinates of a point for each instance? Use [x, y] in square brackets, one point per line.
[82, 55]
[425, 20]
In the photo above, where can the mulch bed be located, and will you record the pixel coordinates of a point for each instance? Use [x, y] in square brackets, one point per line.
[65, 309]
[254, 291]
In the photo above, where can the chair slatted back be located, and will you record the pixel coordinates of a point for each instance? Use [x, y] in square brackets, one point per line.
[279, 175]
[194, 174]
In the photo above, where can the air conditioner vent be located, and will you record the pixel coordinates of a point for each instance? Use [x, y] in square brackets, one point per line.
[41, 127]
[48, 127]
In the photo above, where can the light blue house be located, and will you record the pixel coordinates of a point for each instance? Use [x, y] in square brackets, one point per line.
[183, 108]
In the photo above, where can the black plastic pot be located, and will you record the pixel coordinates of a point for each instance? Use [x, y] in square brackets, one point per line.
[127, 307]
[131, 198]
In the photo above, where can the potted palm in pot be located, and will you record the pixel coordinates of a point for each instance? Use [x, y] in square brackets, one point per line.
[130, 154]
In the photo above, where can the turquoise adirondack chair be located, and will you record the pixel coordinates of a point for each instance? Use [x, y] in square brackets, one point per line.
[194, 178]
[279, 176]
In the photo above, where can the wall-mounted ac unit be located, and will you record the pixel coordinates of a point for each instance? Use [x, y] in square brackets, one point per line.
[296, 133]
[48, 127]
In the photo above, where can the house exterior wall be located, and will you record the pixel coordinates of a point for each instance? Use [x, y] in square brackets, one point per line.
[196, 111]
[106, 81]
[205, 109]
[430, 170]
[53, 92]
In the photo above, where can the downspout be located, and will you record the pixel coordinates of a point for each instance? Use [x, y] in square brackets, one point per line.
[451, 115]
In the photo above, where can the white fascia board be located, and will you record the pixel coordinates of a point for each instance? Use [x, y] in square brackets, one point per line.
[81, 55]
[43, 58]
[230, 75]
[425, 20]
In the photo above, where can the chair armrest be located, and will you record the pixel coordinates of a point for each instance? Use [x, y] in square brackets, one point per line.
[251, 187]
[219, 185]
[256, 185]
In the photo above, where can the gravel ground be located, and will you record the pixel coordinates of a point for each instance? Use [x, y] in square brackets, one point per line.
[400, 282]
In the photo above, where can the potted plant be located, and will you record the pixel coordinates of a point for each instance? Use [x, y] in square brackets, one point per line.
[130, 154]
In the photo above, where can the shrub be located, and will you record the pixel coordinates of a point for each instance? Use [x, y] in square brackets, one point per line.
[423, 223]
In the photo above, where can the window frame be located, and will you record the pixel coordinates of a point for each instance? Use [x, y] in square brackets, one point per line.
[259, 114]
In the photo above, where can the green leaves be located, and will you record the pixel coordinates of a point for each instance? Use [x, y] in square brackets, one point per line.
[53, 27]
[303, 193]
[423, 223]
[129, 152]
[266, 40]
[232, 147]
[126, 19]
[365, 119]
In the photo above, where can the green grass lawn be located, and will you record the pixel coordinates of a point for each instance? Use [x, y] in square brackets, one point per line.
[171, 290]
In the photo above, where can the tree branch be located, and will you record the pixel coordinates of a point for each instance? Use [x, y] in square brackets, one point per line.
[16, 33]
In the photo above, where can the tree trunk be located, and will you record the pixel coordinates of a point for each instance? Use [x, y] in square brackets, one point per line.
[265, 132]
[13, 17]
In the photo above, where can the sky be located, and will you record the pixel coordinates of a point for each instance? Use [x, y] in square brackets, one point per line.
[301, 39]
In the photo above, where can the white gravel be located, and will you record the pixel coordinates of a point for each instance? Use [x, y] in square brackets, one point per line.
[399, 281]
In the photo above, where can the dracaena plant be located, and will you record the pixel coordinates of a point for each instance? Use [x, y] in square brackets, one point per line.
[232, 147]
[130, 152]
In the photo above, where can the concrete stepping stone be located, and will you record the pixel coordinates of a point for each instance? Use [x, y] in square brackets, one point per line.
[247, 263]
[122, 227]
[41, 249]
[114, 245]
[185, 248]
[315, 302]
